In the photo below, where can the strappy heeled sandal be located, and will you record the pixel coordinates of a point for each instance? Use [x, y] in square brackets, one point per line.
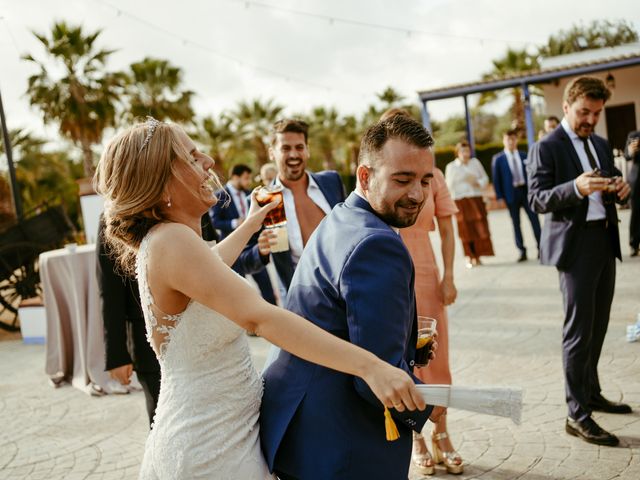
[422, 462]
[451, 460]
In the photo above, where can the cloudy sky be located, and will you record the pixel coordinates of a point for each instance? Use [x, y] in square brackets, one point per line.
[301, 53]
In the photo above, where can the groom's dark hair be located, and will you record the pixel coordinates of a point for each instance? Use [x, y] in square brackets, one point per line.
[401, 127]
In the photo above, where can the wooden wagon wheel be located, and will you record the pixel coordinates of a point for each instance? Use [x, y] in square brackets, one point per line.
[19, 280]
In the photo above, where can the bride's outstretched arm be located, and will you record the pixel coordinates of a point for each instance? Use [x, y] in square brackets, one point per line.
[230, 248]
[193, 271]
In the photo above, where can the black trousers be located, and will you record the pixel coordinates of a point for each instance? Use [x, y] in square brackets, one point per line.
[145, 364]
[150, 382]
[587, 287]
[634, 223]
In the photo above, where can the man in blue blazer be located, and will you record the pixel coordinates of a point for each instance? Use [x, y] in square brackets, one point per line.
[355, 279]
[308, 197]
[229, 212]
[510, 184]
[580, 238]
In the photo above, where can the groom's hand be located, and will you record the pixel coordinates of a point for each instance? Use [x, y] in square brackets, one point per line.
[393, 386]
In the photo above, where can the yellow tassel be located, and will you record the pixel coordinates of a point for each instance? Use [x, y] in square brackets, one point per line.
[390, 426]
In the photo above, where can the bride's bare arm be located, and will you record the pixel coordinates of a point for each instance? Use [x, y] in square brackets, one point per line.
[189, 267]
[230, 248]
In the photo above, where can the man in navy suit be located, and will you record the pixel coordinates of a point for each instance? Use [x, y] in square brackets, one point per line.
[510, 184]
[230, 211]
[355, 279]
[125, 340]
[308, 197]
[567, 182]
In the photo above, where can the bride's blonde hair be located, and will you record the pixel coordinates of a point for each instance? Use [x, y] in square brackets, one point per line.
[132, 176]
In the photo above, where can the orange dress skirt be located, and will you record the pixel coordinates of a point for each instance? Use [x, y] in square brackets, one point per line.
[473, 227]
[429, 299]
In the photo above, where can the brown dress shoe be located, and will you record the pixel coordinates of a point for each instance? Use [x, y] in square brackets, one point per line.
[601, 404]
[590, 432]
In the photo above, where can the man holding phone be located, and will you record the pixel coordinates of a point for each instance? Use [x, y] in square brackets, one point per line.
[573, 181]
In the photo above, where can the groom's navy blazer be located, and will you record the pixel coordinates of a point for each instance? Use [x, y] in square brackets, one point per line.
[355, 279]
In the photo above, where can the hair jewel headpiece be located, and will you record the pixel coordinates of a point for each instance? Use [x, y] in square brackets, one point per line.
[151, 125]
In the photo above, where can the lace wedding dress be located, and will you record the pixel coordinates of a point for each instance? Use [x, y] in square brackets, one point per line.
[206, 422]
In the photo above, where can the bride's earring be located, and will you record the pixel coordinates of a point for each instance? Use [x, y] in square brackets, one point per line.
[169, 203]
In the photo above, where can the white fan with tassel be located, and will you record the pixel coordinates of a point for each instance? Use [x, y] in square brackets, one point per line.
[499, 401]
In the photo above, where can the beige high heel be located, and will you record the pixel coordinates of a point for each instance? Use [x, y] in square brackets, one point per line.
[451, 460]
[422, 462]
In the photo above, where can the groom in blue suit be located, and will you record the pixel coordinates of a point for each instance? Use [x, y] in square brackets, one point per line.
[510, 183]
[355, 279]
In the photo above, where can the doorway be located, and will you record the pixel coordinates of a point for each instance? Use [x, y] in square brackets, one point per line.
[621, 119]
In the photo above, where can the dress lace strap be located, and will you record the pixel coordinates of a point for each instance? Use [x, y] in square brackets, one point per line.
[158, 327]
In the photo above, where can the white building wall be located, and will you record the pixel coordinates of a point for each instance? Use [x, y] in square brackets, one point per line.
[627, 90]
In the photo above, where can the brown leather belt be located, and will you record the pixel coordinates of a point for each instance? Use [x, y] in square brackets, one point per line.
[596, 223]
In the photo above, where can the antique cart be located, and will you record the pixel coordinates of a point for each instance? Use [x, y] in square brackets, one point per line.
[20, 246]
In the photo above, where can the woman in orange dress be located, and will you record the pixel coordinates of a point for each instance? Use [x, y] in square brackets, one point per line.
[466, 179]
[433, 293]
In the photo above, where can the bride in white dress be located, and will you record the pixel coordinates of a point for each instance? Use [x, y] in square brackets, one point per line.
[157, 185]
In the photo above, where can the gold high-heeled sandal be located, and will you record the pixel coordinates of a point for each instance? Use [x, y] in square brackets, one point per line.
[422, 462]
[451, 460]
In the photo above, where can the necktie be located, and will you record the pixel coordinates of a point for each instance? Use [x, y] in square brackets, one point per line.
[592, 161]
[243, 207]
[517, 172]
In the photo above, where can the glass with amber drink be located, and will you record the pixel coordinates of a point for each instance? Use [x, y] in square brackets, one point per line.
[276, 219]
[426, 336]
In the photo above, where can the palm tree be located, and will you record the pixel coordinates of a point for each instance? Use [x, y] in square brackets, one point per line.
[81, 101]
[21, 139]
[390, 98]
[351, 132]
[49, 176]
[42, 175]
[254, 119]
[514, 62]
[222, 142]
[154, 88]
[597, 34]
[324, 131]
[7, 215]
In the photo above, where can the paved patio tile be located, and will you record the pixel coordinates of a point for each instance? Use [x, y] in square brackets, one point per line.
[505, 329]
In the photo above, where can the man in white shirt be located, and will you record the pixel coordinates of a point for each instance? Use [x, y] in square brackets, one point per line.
[308, 197]
[510, 185]
[568, 182]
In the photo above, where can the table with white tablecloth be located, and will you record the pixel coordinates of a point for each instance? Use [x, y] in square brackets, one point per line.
[75, 333]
